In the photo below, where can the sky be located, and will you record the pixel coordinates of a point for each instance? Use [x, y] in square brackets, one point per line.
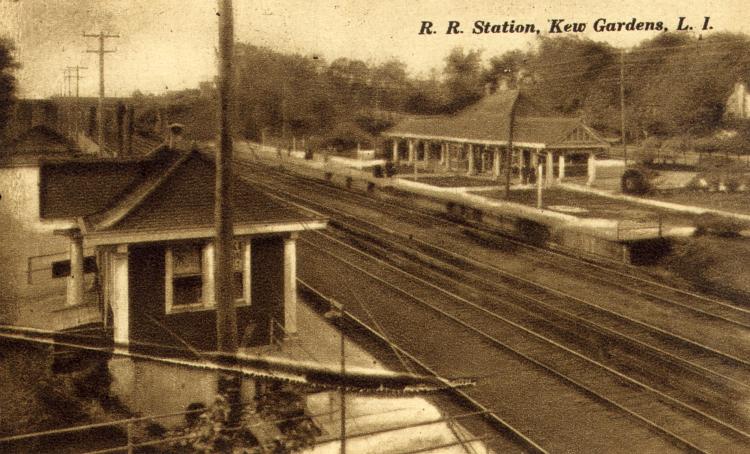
[171, 44]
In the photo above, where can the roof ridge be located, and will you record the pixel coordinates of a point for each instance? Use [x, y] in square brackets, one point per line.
[116, 213]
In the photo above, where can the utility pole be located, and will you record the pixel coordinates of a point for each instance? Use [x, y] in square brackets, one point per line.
[100, 110]
[343, 378]
[67, 76]
[66, 126]
[283, 112]
[622, 106]
[509, 155]
[226, 316]
[78, 77]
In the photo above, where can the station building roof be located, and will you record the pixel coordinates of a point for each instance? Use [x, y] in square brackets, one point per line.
[166, 196]
[488, 122]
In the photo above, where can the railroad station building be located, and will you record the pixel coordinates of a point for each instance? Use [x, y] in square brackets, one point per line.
[150, 222]
[476, 140]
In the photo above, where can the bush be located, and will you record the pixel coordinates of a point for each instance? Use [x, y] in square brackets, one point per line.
[672, 148]
[649, 150]
[725, 226]
[534, 232]
[390, 169]
[635, 181]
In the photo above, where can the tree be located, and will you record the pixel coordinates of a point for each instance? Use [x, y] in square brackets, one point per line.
[463, 77]
[391, 85]
[8, 65]
[506, 69]
[569, 72]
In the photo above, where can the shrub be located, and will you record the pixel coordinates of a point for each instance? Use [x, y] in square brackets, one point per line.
[635, 181]
[649, 150]
[718, 225]
[390, 169]
[532, 231]
[672, 148]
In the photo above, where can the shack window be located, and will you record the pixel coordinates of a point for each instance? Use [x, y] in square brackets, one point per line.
[184, 280]
[238, 280]
[62, 267]
[190, 275]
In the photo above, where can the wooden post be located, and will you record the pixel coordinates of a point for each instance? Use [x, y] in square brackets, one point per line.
[561, 167]
[550, 168]
[496, 163]
[622, 107]
[226, 321]
[229, 384]
[470, 159]
[510, 149]
[129, 130]
[343, 376]
[129, 430]
[120, 111]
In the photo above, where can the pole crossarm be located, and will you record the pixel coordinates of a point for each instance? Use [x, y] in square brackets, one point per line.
[97, 35]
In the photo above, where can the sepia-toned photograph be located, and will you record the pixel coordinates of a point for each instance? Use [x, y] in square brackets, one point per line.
[350, 226]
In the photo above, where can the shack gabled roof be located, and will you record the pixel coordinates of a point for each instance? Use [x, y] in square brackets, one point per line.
[488, 122]
[167, 196]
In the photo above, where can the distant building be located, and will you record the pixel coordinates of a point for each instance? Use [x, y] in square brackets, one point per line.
[476, 140]
[34, 262]
[150, 221]
[738, 103]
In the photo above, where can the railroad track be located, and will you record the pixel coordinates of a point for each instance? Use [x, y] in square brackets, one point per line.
[724, 385]
[729, 365]
[556, 391]
[668, 305]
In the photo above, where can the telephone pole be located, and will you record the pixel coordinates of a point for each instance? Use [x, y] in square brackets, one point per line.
[342, 389]
[100, 110]
[225, 312]
[77, 77]
[622, 106]
[226, 316]
[67, 76]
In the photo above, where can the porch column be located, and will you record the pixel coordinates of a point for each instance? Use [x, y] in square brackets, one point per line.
[521, 165]
[120, 297]
[591, 168]
[497, 156]
[534, 161]
[448, 149]
[426, 149]
[550, 176]
[395, 150]
[207, 274]
[470, 156]
[484, 159]
[290, 284]
[76, 284]
[411, 151]
[442, 153]
[561, 167]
